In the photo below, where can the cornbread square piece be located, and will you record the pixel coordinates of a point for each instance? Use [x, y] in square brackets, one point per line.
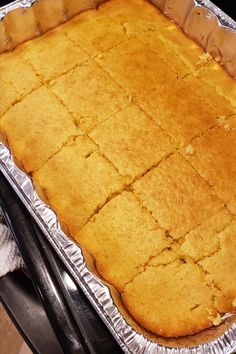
[95, 33]
[53, 54]
[221, 266]
[205, 239]
[136, 67]
[90, 95]
[136, 16]
[132, 142]
[169, 192]
[229, 124]
[190, 117]
[8, 96]
[168, 255]
[214, 156]
[74, 7]
[17, 73]
[161, 301]
[37, 127]
[121, 238]
[209, 95]
[49, 13]
[77, 186]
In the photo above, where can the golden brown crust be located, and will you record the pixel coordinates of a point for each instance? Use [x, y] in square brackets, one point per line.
[129, 130]
[89, 94]
[11, 68]
[54, 44]
[123, 137]
[188, 107]
[84, 178]
[214, 156]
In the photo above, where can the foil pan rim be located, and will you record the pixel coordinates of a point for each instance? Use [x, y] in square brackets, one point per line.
[97, 292]
[225, 20]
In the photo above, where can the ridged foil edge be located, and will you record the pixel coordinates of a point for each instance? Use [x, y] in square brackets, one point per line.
[199, 19]
[99, 294]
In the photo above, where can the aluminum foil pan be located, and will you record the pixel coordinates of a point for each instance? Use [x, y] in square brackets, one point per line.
[216, 32]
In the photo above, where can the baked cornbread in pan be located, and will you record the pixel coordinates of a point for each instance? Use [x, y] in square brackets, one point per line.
[129, 129]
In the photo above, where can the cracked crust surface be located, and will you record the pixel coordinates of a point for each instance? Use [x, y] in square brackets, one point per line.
[121, 250]
[165, 288]
[214, 158]
[159, 107]
[132, 138]
[122, 140]
[85, 181]
[11, 73]
[169, 192]
[25, 125]
[146, 69]
[89, 94]
[53, 55]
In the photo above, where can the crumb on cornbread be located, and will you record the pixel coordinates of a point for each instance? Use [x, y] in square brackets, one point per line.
[85, 183]
[214, 157]
[122, 249]
[90, 95]
[37, 127]
[132, 142]
[184, 48]
[170, 194]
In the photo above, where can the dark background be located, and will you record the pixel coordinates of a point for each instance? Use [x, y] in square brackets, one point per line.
[228, 6]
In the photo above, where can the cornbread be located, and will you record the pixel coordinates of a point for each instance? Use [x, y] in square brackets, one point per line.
[100, 98]
[123, 137]
[129, 130]
[55, 45]
[169, 192]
